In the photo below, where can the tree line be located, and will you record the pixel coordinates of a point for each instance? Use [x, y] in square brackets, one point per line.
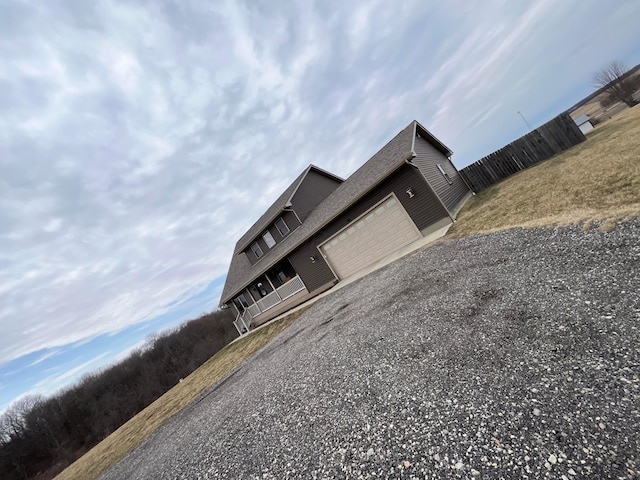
[40, 436]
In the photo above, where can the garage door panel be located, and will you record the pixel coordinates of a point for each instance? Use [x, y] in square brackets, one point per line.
[377, 234]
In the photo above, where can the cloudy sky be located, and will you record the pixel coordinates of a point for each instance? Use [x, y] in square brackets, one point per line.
[139, 140]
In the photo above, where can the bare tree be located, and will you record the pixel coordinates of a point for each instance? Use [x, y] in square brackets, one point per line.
[13, 422]
[619, 82]
[38, 437]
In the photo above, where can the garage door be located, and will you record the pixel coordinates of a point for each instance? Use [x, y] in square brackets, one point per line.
[369, 238]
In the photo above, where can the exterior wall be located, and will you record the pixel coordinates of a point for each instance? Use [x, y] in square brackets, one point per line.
[436, 226]
[378, 233]
[265, 250]
[292, 222]
[424, 209]
[585, 127]
[314, 188]
[427, 160]
[313, 274]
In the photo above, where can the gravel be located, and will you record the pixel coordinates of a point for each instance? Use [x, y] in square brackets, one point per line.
[508, 355]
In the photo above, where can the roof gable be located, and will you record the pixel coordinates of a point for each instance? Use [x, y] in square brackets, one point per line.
[387, 160]
[431, 138]
[282, 202]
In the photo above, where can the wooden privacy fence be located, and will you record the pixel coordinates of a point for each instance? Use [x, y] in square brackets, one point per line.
[553, 137]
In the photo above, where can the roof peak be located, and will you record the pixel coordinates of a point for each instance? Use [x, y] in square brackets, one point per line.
[276, 208]
[386, 160]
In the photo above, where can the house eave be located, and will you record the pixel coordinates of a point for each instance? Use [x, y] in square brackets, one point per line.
[432, 139]
[281, 256]
[265, 222]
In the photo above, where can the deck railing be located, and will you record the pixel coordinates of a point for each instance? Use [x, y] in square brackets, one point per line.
[254, 310]
[284, 291]
[271, 300]
[242, 322]
[290, 288]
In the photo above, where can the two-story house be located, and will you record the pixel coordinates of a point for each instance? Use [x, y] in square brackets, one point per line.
[323, 229]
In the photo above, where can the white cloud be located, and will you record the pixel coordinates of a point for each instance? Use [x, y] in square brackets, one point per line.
[46, 356]
[58, 381]
[123, 66]
[139, 141]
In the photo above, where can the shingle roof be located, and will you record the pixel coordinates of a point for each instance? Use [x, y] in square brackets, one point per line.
[276, 209]
[375, 170]
[582, 119]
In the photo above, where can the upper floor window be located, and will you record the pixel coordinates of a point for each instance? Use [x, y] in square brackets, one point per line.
[282, 227]
[257, 251]
[268, 239]
[445, 174]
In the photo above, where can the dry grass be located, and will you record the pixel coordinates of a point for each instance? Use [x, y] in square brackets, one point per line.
[597, 182]
[135, 431]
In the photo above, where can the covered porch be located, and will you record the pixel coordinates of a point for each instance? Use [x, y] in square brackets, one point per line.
[270, 290]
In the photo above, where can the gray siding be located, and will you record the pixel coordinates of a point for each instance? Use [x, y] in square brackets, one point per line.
[427, 159]
[314, 275]
[265, 250]
[424, 209]
[314, 188]
[292, 222]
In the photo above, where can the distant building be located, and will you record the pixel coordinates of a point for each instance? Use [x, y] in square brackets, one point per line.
[584, 123]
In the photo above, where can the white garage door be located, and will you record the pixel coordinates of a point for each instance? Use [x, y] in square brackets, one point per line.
[369, 238]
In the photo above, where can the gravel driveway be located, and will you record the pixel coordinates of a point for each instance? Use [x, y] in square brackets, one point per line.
[509, 355]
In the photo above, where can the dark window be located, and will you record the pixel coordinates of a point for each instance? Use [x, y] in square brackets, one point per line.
[268, 239]
[277, 277]
[282, 227]
[257, 251]
[261, 288]
[241, 302]
[445, 174]
[281, 273]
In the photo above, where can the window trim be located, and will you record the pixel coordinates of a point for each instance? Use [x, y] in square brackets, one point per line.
[444, 174]
[256, 249]
[278, 228]
[266, 234]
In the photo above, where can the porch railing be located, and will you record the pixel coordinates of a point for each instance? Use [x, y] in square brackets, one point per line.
[271, 300]
[254, 310]
[290, 288]
[242, 322]
[284, 291]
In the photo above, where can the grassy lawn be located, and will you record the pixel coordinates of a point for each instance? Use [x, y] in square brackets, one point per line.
[596, 181]
[135, 431]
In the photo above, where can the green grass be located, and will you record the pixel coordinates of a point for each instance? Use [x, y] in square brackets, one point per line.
[595, 181]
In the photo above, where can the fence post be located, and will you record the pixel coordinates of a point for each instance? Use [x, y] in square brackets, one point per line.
[555, 136]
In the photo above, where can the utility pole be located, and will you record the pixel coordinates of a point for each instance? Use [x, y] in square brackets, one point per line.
[525, 121]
